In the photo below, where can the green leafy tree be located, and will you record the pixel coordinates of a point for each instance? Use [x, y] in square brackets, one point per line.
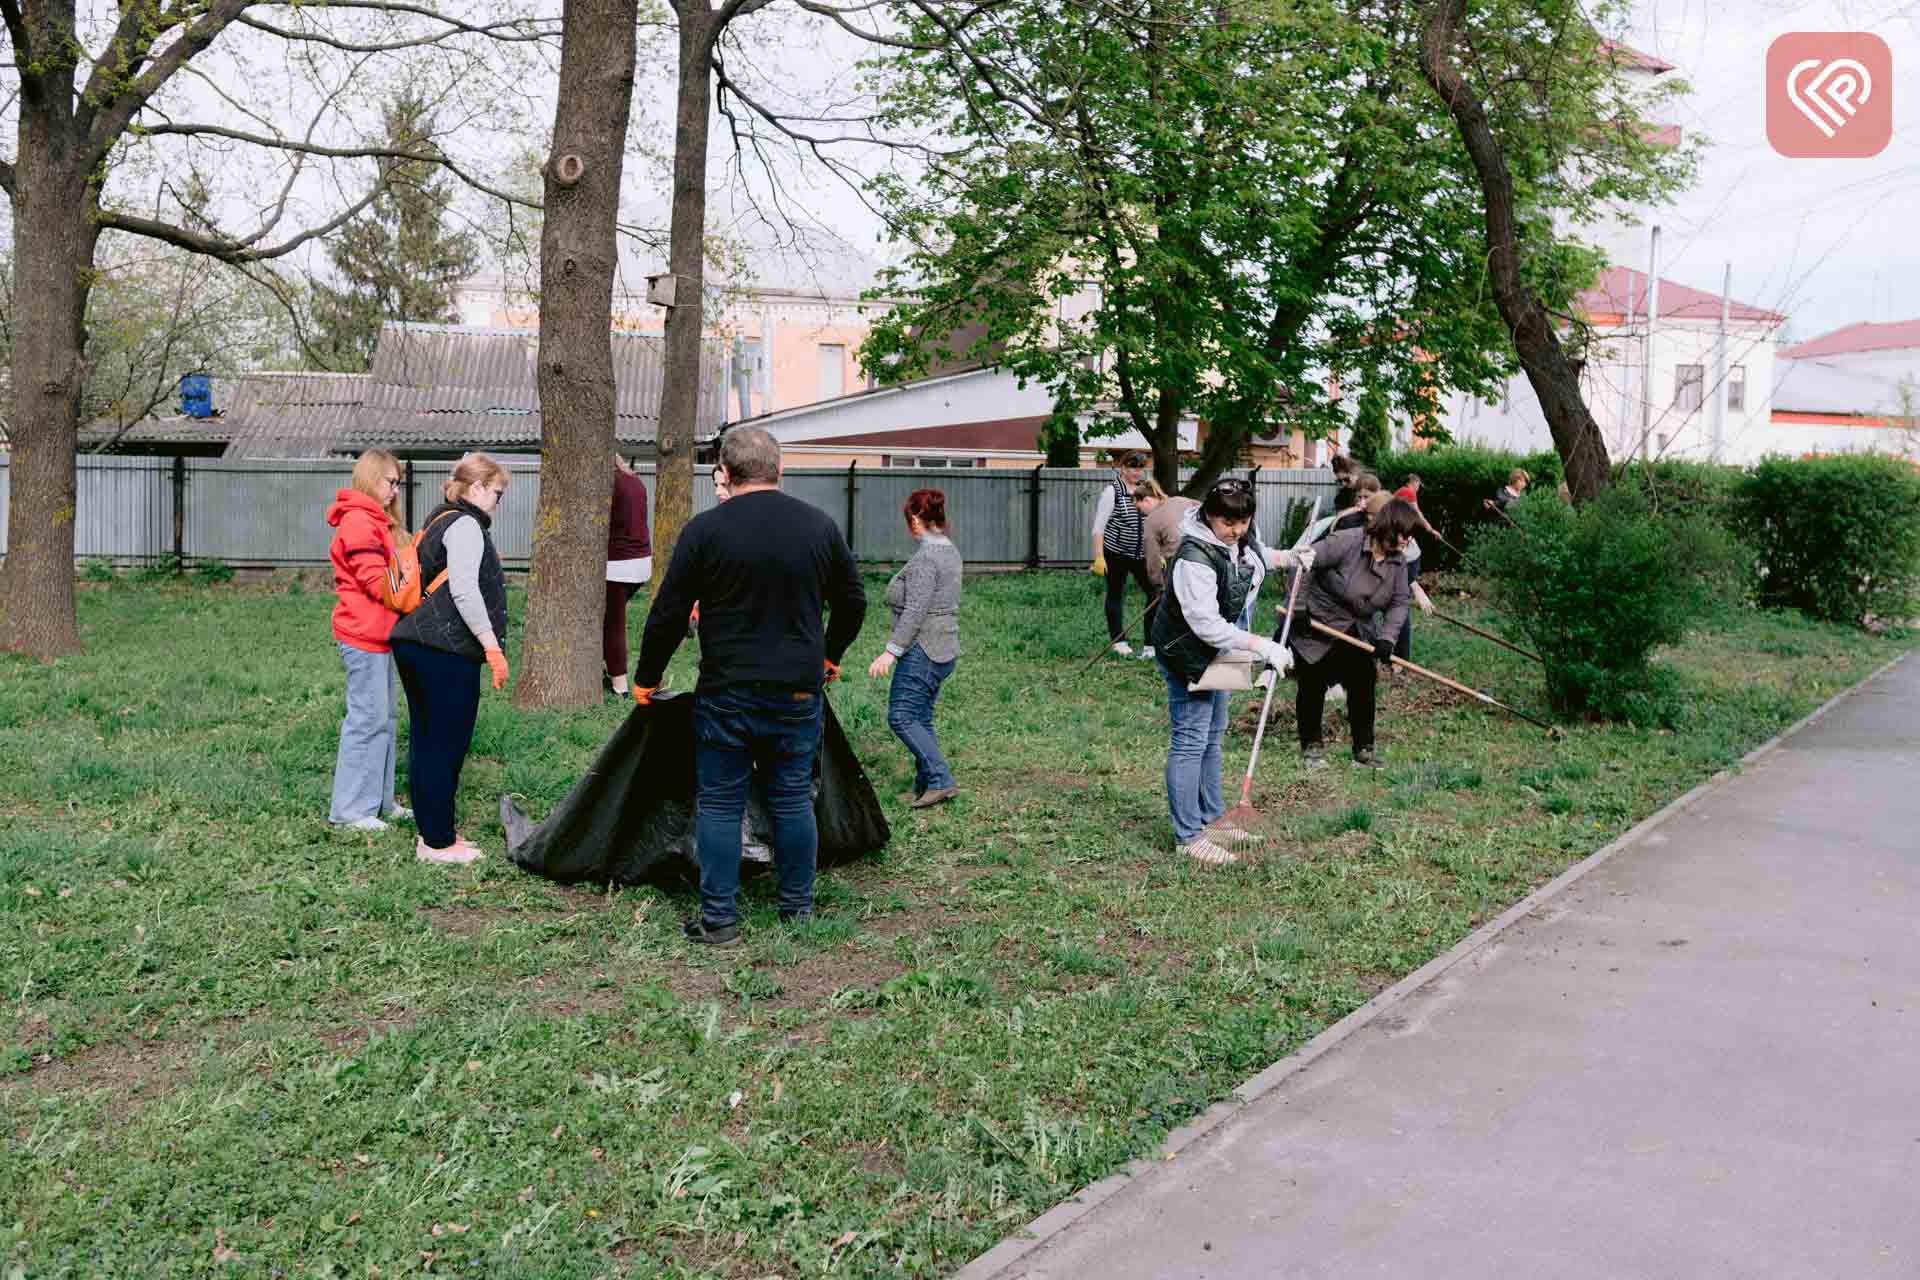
[398, 260]
[1206, 211]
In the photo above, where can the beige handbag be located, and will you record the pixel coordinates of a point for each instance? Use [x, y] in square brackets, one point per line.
[1231, 672]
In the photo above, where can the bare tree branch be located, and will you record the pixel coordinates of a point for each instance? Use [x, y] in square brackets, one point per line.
[107, 123]
[492, 31]
[225, 248]
[369, 152]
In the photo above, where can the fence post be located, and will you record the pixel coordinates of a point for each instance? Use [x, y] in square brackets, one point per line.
[1033, 520]
[408, 464]
[179, 512]
[852, 488]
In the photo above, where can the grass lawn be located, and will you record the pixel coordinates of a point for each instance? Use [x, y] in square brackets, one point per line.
[233, 1042]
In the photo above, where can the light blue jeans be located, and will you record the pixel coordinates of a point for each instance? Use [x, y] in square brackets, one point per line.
[1199, 722]
[363, 771]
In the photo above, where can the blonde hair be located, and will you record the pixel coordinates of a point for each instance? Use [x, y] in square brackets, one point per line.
[1375, 502]
[369, 469]
[1149, 488]
[473, 469]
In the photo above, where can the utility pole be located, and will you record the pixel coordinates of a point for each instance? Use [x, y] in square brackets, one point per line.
[1620, 441]
[1653, 323]
[1720, 367]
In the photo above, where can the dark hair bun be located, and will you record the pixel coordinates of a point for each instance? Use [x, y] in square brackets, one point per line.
[928, 506]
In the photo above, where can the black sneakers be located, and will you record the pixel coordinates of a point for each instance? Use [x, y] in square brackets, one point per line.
[1363, 759]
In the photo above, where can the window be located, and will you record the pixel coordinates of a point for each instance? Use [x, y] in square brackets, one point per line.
[1737, 388]
[1689, 387]
[923, 460]
[833, 369]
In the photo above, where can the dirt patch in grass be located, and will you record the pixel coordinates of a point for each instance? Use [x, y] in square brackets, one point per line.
[461, 922]
[132, 1073]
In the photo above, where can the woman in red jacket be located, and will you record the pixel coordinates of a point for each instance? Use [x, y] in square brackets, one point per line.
[365, 519]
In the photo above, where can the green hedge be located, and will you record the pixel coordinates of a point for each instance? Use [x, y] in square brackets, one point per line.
[1596, 589]
[1838, 538]
[1455, 482]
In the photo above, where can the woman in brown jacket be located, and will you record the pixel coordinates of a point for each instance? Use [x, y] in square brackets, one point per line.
[1356, 573]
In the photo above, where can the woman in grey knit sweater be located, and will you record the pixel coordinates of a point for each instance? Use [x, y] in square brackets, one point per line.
[925, 599]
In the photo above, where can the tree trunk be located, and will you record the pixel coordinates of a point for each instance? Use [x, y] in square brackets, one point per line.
[54, 236]
[560, 659]
[1555, 380]
[680, 387]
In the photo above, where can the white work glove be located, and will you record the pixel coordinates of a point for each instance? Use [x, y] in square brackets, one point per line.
[1277, 655]
[1303, 559]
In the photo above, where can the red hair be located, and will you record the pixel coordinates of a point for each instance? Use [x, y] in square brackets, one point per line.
[928, 506]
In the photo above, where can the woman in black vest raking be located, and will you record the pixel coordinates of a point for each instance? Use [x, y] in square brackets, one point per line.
[1215, 571]
[440, 647]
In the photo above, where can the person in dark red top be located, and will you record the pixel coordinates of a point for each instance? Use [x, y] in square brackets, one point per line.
[629, 564]
[364, 518]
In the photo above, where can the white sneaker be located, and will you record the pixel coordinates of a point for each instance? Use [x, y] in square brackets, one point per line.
[457, 854]
[399, 813]
[1146, 651]
[1202, 849]
[1226, 833]
[1122, 648]
[368, 823]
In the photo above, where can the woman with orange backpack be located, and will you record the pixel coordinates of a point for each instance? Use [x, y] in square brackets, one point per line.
[365, 518]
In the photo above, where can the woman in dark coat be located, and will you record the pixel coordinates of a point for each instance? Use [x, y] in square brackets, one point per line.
[1357, 573]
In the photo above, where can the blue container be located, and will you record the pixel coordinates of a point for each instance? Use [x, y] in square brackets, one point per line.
[196, 395]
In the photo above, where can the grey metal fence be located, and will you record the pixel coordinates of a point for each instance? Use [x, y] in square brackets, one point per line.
[272, 513]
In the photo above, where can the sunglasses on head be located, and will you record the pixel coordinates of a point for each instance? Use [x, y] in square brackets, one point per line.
[1233, 485]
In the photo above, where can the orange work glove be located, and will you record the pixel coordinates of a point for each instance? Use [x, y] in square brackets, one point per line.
[643, 697]
[832, 669]
[497, 663]
[694, 616]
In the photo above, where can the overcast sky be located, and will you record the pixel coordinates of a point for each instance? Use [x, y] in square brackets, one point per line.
[1828, 242]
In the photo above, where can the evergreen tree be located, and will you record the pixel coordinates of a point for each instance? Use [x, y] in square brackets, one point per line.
[399, 261]
[1371, 438]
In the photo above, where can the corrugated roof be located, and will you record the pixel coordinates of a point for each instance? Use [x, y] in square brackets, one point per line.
[431, 386]
[1608, 297]
[1897, 336]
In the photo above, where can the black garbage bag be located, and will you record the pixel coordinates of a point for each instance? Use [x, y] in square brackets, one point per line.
[630, 819]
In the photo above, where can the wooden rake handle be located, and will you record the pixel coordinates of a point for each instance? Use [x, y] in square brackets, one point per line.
[1436, 677]
[1488, 635]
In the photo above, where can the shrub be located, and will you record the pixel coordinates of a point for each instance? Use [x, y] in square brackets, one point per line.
[1455, 482]
[1838, 538]
[1597, 589]
[212, 569]
[1685, 488]
[97, 570]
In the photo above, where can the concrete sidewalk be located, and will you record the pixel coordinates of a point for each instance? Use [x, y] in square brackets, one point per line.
[1699, 1057]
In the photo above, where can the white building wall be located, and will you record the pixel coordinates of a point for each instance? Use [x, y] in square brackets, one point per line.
[1614, 384]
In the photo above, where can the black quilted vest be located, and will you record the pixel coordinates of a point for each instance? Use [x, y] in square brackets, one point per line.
[437, 623]
[1185, 653]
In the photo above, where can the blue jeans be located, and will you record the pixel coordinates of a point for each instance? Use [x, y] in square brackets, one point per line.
[363, 769]
[735, 730]
[1199, 722]
[443, 701]
[916, 686]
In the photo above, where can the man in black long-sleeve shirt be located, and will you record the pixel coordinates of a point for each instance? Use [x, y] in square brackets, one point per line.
[762, 565]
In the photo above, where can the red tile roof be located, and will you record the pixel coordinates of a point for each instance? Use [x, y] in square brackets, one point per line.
[1897, 336]
[1629, 58]
[1607, 300]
